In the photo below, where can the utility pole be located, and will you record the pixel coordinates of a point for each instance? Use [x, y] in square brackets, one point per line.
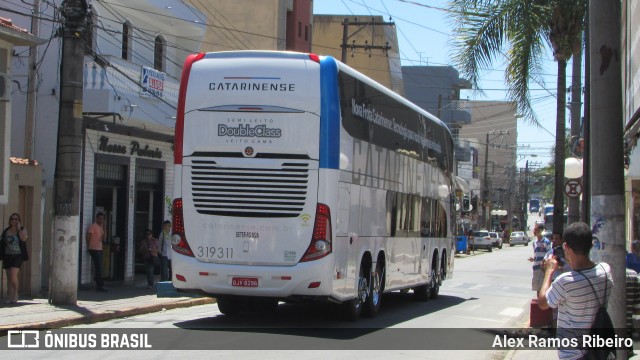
[607, 187]
[485, 181]
[525, 210]
[485, 185]
[65, 248]
[366, 46]
[576, 90]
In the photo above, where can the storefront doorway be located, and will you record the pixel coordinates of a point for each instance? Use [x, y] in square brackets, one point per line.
[149, 203]
[111, 198]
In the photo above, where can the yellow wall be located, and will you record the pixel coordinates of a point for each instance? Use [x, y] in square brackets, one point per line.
[327, 38]
[243, 24]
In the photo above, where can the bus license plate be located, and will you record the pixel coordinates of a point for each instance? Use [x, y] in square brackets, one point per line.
[244, 281]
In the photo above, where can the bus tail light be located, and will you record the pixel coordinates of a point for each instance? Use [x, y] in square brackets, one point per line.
[179, 241]
[321, 240]
[182, 94]
[314, 57]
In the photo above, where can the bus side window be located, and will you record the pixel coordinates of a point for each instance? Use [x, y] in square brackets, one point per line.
[391, 213]
[426, 217]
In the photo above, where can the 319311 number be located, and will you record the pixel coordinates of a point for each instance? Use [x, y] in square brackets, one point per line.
[213, 252]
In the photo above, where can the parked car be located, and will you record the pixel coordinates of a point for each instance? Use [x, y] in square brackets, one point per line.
[547, 234]
[518, 238]
[496, 239]
[481, 239]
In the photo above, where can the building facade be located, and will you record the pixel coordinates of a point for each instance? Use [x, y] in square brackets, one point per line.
[492, 135]
[631, 114]
[134, 54]
[20, 179]
[371, 46]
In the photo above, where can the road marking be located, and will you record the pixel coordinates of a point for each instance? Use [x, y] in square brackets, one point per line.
[511, 311]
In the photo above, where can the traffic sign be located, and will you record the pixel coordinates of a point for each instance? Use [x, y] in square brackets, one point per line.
[573, 188]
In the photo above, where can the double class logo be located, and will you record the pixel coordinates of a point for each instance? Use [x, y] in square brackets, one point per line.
[260, 131]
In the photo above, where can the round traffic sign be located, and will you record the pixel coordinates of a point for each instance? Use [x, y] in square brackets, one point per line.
[573, 188]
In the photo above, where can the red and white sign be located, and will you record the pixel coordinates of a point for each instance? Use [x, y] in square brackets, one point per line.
[573, 188]
[244, 281]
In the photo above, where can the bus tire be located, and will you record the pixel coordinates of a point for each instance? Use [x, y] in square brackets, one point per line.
[434, 286]
[421, 293]
[374, 300]
[354, 306]
[229, 305]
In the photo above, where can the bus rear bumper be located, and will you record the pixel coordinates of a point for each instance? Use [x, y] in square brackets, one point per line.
[313, 279]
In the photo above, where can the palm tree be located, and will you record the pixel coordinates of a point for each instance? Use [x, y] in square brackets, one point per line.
[485, 28]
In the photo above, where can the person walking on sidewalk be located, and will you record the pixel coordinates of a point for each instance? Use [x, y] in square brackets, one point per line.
[541, 246]
[577, 293]
[165, 251]
[13, 244]
[150, 249]
[96, 236]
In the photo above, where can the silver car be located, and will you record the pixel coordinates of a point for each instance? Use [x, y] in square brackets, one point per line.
[496, 239]
[518, 238]
[481, 239]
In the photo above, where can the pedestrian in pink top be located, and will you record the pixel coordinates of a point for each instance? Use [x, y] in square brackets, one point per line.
[96, 236]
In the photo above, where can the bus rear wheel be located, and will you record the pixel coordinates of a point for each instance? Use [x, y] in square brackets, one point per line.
[434, 286]
[374, 300]
[354, 307]
[229, 305]
[421, 293]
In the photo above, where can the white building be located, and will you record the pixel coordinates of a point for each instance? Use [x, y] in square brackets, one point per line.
[133, 62]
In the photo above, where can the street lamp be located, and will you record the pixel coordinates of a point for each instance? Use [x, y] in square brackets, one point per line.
[572, 168]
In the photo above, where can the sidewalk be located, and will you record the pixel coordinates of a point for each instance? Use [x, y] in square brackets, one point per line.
[92, 306]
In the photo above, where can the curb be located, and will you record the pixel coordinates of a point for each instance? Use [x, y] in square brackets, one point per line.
[105, 315]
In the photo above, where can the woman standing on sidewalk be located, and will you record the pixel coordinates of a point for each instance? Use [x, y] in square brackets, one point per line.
[13, 244]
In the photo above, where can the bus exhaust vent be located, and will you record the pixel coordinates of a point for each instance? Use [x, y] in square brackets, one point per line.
[249, 192]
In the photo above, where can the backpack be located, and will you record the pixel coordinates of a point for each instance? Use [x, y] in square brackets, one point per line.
[602, 326]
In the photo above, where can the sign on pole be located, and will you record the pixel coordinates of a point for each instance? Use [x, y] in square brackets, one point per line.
[573, 188]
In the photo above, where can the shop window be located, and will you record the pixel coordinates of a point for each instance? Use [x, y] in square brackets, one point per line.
[109, 171]
[148, 176]
[159, 53]
[127, 40]
[89, 36]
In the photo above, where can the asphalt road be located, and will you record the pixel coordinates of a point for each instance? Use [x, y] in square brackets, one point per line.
[488, 291]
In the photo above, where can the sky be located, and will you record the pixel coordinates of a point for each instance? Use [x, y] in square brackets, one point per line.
[424, 35]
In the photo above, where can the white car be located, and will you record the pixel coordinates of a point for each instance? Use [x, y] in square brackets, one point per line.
[496, 239]
[481, 239]
[518, 238]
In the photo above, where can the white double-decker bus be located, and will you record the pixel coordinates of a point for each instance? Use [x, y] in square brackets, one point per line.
[298, 178]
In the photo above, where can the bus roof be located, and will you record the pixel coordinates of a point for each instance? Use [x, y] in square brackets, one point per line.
[341, 67]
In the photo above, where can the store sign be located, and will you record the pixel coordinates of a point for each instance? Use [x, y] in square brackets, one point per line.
[152, 82]
[134, 149]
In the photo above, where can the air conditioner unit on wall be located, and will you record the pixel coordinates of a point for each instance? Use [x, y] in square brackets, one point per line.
[5, 86]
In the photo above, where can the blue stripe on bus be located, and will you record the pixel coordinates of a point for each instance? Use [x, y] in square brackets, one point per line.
[329, 114]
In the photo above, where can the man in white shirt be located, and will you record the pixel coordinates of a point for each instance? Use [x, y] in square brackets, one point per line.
[571, 292]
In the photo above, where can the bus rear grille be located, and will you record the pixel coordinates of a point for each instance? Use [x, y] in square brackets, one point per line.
[245, 192]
